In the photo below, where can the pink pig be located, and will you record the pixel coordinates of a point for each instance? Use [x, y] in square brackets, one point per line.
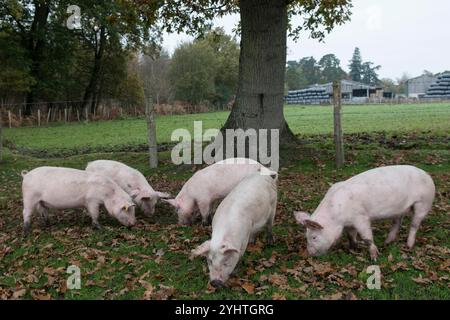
[131, 181]
[382, 193]
[249, 208]
[44, 188]
[210, 184]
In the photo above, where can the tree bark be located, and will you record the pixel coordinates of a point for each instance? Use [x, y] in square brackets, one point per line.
[92, 87]
[35, 45]
[262, 67]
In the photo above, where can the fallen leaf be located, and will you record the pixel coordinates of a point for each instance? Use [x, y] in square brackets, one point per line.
[19, 293]
[248, 287]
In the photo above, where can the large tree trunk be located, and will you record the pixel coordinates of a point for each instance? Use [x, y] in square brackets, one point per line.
[91, 90]
[35, 45]
[262, 66]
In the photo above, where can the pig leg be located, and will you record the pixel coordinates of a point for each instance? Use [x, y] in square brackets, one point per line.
[94, 212]
[392, 236]
[205, 211]
[43, 211]
[27, 213]
[365, 231]
[352, 238]
[420, 211]
[252, 238]
[269, 226]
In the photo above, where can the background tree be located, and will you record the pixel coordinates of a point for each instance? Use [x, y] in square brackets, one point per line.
[53, 51]
[389, 85]
[154, 72]
[369, 73]
[293, 76]
[226, 51]
[15, 76]
[401, 83]
[27, 21]
[119, 25]
[355, 66]
[192, 72]
[330, 69]
[309, 70]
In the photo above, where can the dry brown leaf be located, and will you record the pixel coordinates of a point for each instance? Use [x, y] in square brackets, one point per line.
[19, 293]
[248, 287]
[278, 296]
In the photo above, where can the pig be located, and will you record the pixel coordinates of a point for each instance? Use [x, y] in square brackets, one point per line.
[64, 188]
[209, 185]
[130, 180]
[382, 193]
[247, 209]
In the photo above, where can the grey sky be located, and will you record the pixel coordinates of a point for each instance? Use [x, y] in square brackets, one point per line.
[400, 35]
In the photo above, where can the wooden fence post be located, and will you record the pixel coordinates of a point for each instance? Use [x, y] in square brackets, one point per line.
[338, 135]
[9, 118]
[49, 113]
[151, 129]
[39, 117]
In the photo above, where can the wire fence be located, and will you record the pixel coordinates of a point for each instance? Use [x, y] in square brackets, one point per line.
[62, 112]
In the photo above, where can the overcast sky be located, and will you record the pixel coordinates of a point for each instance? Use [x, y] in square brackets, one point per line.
[400, 35]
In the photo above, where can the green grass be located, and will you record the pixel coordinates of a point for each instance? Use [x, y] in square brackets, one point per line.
[120, 263]
[305, 120]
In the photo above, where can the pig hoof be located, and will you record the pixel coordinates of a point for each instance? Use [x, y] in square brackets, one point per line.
[374, 254]
[26, 230]
[217, 284]
[270, 241]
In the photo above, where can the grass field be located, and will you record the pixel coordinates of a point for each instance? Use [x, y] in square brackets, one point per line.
[151, 260]
[305, 120]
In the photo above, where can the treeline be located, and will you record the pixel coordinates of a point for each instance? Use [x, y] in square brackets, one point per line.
[108, 50]
[49, 55]
[308, 71]
[112, 52]
[201, 72]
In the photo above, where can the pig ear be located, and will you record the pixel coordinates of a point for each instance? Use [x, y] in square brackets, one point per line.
[227, 248]
[313, 225]
[301, 217]
[127, 206]
[162, 195]
[201, 250]
[172, 202]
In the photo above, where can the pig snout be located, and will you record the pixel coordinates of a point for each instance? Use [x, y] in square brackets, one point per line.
[129, 223]
[314, 252]
[185, 220]
[217, 283]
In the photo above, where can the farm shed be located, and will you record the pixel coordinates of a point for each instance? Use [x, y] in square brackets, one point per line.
[418, 86]
[321, 93]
